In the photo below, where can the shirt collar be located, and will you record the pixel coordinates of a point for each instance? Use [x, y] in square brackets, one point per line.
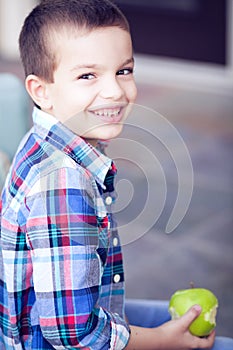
[57, 134]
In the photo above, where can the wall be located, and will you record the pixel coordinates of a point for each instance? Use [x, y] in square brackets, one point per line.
[12, 14]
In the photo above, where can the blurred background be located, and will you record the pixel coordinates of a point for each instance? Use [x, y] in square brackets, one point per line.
[184, 72]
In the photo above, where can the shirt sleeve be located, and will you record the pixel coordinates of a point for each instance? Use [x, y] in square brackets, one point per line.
[63, 236]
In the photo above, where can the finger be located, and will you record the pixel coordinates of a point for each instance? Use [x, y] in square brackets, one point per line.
[205, 343]
[190, 315]
[211, 337]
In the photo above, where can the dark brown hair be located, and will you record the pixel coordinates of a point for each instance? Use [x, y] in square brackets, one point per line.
[50, 17]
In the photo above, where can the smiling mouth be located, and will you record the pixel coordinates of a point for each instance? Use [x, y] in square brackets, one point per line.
[110, 114]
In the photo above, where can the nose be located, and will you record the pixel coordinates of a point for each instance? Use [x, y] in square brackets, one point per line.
[111, 89]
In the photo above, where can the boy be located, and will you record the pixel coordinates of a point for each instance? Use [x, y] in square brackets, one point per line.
[62, 280]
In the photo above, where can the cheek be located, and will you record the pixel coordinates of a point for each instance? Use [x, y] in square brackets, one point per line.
[80, 97]
[132, 92]
[73, 102]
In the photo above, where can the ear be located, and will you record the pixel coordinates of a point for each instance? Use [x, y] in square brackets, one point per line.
[37, 89]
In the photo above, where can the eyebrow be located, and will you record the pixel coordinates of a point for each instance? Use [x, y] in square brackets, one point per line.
[94, 66]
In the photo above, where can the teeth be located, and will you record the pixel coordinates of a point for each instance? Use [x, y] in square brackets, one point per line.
[107, 113]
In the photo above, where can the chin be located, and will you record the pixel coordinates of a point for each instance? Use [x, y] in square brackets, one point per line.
[108, 132]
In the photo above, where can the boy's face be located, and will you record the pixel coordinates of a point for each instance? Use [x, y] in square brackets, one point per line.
[93, 83]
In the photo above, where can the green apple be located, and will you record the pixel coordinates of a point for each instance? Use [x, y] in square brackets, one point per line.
[182, 300]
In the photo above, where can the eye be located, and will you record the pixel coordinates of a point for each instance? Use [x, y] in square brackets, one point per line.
[88, 76]
[125, 71]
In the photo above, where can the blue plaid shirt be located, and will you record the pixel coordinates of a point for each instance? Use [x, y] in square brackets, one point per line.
[61, 272]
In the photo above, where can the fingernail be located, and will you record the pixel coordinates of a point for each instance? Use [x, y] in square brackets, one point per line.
[197, 308]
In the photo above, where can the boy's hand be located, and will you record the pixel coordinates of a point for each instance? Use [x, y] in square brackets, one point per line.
[177, 333]
[172, 335]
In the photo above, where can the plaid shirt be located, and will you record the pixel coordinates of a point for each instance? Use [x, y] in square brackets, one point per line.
[61, 272]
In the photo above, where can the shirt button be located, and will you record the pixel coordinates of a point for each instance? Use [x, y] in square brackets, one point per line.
[108, 200]
[117, 278]
[115, 241]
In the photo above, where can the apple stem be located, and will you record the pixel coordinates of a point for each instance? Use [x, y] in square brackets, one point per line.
[191, 284]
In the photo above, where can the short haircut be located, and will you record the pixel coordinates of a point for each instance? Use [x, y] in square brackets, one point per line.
[54, 16]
